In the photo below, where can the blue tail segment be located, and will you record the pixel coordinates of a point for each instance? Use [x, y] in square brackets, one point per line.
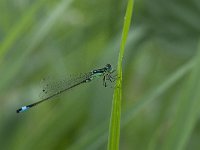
[24, 108]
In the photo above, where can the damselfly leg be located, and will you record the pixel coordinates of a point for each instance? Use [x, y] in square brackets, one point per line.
[109, 77]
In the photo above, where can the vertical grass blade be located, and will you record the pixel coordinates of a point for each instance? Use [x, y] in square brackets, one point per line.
[187, 112]
[114, 129]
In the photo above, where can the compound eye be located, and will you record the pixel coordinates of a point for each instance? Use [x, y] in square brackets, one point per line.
[109, 67]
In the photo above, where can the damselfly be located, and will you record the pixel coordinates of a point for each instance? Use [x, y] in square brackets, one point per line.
[105, 72]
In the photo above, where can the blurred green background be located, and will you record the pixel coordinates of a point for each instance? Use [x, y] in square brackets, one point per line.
[59, 38]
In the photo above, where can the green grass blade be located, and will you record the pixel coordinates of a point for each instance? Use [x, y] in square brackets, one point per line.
[114, 130]
[187, 111]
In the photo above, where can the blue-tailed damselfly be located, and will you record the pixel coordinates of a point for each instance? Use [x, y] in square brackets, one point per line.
[105, 72]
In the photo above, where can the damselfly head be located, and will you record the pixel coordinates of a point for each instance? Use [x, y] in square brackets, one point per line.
[109, 67]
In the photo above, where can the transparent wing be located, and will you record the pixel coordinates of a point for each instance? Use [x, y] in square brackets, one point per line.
[52, 86]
